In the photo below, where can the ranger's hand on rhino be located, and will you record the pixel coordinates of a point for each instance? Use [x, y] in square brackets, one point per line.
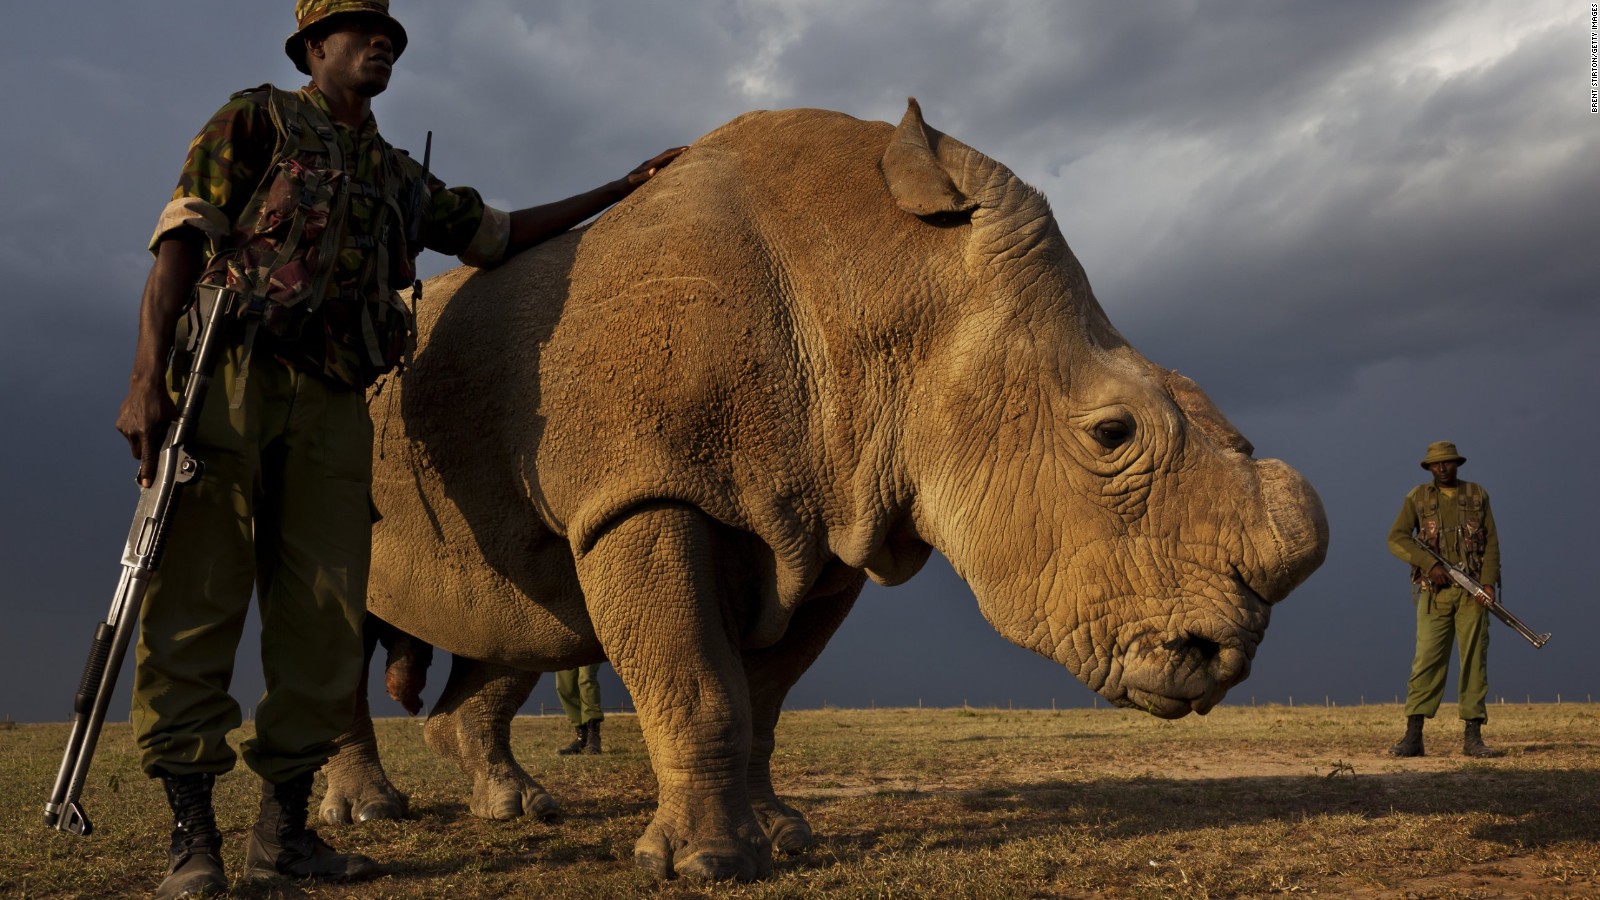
[647, 170]
[537, 224]
[812, 350]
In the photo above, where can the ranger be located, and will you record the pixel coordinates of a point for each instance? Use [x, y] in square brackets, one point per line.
[579, 692]
[294, 201]
[1452, 517]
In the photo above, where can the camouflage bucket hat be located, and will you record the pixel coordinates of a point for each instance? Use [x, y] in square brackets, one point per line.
[309, 12]
[1442, 451]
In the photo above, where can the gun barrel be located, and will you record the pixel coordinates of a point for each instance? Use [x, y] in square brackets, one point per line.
[1471, 586]
[1505, 615]
[111, 638]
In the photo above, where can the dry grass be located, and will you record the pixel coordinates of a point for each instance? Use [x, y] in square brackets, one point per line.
[945, 803]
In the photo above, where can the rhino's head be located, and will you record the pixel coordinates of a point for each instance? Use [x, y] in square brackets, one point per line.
[1103, 511]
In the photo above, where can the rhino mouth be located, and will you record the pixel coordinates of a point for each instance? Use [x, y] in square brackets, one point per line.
[1172, 673]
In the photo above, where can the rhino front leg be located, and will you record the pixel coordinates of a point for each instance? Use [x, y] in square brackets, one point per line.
[471, 726]
[652, 586]
[358, 788]
[771, 672]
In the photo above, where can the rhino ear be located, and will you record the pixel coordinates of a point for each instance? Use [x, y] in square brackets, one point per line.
[917, 180]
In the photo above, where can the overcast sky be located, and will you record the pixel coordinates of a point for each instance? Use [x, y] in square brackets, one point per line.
[1360, 226]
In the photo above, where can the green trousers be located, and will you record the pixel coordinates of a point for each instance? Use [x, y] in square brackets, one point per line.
[283, 508]
[1449, 616]
[579, 690]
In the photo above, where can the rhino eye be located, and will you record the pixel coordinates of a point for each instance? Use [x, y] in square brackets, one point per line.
[1112, 433]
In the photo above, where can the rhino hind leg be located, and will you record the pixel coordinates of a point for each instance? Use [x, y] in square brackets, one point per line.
[471, 726]
[770, 673]
[663, 591]
[358, 788]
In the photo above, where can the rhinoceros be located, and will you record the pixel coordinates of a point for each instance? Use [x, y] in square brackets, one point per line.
[812, 350]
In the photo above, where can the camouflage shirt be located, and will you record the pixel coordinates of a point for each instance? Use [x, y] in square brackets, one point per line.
[1458, 523]
[226, 164]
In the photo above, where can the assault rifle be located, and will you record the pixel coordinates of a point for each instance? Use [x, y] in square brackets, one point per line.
[1466, 583]
[140, 559]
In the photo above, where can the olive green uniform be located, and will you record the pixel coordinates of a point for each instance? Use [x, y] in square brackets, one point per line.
[579, 690]
[1465, 531]
[282, 508]
[283, 505]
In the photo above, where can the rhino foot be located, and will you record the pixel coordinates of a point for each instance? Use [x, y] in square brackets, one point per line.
[785, 827]
[510, 793]
[744, 856]
[351, 800]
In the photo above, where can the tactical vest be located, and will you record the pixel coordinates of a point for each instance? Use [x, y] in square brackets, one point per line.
[1468, 538]
[285, 244]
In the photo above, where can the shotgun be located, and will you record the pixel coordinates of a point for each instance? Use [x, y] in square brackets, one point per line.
[1466, 583]
[140, 559]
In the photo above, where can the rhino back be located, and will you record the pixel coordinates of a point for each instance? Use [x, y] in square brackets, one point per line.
[709, 341]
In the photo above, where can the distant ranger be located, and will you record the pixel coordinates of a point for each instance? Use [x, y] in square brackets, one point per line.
[1452, 517]
[579, 690]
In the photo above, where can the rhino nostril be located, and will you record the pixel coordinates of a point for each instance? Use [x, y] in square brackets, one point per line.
[1202, 647]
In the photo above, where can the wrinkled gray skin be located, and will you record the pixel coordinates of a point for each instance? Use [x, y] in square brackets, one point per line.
[812, 350]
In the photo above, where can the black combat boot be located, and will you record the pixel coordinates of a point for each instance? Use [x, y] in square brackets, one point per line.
[594, 739]
[282, 845]
[1472, 741]
[578, 743]
[194, 862]
[1411, 744]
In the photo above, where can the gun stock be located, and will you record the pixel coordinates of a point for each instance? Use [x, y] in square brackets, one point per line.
[141, 557]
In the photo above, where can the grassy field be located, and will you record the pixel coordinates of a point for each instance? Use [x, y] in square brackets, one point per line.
[1249, 801]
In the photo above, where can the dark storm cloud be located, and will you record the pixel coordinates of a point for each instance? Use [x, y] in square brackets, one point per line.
[1381, 205]
[1361, 226]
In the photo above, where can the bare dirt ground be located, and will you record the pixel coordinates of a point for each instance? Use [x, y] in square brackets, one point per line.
[1277, 750]
[1245, 802]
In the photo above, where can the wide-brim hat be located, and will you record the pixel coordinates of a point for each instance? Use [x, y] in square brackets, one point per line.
[310, 12]
[1442, 451]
